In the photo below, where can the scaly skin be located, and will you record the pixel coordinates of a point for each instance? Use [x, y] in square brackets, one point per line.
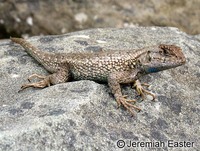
[114, 67]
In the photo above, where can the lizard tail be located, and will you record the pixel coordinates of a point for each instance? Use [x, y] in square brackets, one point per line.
[44, 58]
[30, 49]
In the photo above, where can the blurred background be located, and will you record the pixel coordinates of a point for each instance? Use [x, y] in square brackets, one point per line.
[25, 18]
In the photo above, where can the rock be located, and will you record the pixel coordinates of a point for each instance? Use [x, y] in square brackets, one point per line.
[83, 115]
[27, 18]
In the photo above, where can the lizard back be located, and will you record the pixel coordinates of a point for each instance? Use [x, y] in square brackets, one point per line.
[98, 65]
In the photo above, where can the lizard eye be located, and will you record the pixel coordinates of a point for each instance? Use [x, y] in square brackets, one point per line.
[164, 51]
[161, 52]
[149, 58]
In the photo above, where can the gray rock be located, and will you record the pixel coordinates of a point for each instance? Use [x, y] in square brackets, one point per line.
[83, 114]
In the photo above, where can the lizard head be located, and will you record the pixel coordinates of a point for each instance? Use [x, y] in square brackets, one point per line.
[163, 57]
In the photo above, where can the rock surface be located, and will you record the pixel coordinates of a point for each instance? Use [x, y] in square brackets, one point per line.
[83, 114]
[26, 18]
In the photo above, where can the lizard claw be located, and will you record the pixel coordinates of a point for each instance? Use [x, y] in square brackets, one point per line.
[127, 104]
[124, 96]
[141, 91]
[36, 76]
[41, 84]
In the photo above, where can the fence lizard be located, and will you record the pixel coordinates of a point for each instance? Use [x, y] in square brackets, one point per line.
[114, 67]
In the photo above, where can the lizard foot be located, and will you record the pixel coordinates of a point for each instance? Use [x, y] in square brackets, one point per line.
[36, 76]
[127, 104]
[41, 84]
[124, 96]
[141, 91]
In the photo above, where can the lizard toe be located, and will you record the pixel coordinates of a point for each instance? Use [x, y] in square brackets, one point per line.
[142, 91]
[127, 104]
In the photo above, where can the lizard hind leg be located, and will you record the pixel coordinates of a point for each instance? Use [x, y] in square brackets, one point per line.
[59, 77]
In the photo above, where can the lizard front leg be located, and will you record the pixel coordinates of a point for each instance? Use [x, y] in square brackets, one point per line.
[114, 80]
[60, 76]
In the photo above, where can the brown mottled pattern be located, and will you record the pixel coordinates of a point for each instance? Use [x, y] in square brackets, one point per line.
[97, 66]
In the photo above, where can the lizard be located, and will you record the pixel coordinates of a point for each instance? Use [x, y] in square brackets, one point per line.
[114, 67]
